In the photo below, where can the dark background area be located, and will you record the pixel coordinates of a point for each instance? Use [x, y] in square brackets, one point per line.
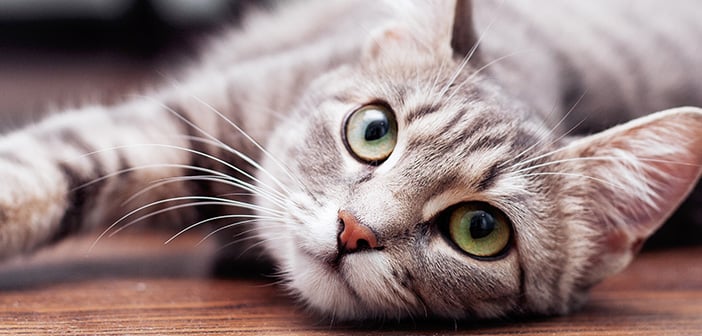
[136, 28]
[61, 54]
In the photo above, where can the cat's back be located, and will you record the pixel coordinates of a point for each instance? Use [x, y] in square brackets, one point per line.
[297, 29]
[619, 59]
[625, 58]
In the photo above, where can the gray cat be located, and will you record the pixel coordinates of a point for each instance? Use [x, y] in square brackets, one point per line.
[392, 160]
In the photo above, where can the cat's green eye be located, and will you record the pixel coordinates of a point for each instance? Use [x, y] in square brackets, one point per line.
[370, 133]
[479, 229]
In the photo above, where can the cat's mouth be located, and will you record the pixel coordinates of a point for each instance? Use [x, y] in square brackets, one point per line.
[334, 261]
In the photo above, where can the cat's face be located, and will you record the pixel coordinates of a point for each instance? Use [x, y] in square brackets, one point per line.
[443, 160]
[416, 187]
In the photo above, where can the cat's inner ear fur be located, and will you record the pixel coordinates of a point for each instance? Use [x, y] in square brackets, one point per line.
[633, 177]
[464, 41]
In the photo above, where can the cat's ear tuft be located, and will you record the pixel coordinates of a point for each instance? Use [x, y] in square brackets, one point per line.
[464, 41]
[626, 181]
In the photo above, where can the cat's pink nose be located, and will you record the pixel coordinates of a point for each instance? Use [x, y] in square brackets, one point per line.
[355, 236]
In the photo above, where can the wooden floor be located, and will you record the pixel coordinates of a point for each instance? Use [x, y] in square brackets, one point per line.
[134, 285]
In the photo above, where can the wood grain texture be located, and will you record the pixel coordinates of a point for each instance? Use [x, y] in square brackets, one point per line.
[133, 285]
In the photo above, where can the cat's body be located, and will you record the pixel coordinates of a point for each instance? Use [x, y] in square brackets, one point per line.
[358, 225]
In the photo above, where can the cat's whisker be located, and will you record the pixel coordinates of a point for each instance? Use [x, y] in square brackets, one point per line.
[259, 241]
[195, 127]
[222, 228]
[137, 168]
[521, 163]
[228, 148]
[482, 68]
[159, 183]
[253, 233]
[602, 158]
[275, 283]
[241, 171]
[208, 178]
[437, 76]
[171, 208]
[547, 134]
[206, 200]
[555, 151]
[237, 153]
[234, 181]
[208, 156]
[237, 194]
[543, 135]
[605, 182]
[211, 219]
[467, 58]
[457, 72]
[252, 141]
[258, 166]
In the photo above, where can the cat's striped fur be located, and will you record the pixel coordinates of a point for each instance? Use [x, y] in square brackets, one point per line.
[492, 124]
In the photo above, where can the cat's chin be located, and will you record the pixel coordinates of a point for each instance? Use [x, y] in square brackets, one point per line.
[322, 288]
[353, 287]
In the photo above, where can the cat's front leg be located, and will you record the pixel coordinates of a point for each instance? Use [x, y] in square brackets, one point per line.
[75, 170]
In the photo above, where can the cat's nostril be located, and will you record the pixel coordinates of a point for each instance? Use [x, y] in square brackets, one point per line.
[362, 244]
[355, 236]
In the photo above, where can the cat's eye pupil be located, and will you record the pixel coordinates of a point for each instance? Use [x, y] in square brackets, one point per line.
[377, 129]
[481, 224]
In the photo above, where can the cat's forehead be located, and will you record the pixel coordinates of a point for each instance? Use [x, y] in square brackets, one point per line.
[454, 131]
[429, 79]
[459, 141]
[450, 120]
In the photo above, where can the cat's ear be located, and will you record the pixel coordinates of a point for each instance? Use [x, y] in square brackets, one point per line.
[464, 40]
[426, 28]
[389, 39]
[626, 181]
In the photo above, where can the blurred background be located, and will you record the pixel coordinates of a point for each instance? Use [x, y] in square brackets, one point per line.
[58, 53]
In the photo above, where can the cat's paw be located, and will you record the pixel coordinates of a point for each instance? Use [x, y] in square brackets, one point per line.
[31, 209]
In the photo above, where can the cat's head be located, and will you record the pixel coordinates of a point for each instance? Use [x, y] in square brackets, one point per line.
[412, 185]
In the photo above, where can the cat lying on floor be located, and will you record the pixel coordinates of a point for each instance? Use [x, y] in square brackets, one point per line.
[396, 159]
